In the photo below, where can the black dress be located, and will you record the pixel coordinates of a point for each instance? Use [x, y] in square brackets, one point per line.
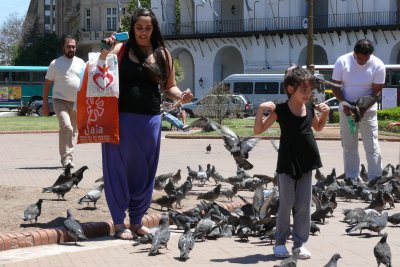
[298, 151]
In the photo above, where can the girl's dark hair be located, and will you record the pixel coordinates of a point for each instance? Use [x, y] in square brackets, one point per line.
[364, 47]
[295, 76]
[159, 72]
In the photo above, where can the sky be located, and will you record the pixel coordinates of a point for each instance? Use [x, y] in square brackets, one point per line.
[11, 6]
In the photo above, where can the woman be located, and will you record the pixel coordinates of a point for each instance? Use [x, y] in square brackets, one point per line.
[129, 168]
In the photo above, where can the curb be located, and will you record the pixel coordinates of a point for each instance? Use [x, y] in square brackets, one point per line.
[91, 229]
[185, 136]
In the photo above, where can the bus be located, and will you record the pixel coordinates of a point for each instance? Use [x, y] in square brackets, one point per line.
[259, 88]
[20, 85]
[392, 82]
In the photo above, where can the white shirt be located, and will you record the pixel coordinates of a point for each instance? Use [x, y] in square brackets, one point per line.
[357, 79]
[66, 76]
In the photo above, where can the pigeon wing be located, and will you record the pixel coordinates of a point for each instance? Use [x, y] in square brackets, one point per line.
[247, 144]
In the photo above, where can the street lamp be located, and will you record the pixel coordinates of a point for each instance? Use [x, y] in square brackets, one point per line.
[201, 81]
[202, 5]
[254, 15]
[254, 8]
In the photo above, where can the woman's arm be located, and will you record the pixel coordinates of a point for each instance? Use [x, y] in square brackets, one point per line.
[170, 88]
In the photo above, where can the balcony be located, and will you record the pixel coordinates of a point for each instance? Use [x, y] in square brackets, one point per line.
[230, 28]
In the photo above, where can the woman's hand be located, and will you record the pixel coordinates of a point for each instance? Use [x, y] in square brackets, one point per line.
[393, 124]
[186, 96]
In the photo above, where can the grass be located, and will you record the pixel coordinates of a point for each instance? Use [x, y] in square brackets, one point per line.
[243, 127]
[28, 123]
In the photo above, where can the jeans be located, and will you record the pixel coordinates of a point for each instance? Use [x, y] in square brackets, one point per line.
[66, 116]
[368, 127]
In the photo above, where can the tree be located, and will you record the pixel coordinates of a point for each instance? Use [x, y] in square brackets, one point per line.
[126, 20]
[11, 32]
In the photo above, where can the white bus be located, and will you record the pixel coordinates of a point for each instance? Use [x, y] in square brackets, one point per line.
[259, 88]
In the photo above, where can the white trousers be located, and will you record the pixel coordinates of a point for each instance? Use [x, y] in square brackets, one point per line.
[67, 122]
[368, 127]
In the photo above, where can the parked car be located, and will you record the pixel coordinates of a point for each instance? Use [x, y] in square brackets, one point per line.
[227, 104]
[333, 103]
[38, 107]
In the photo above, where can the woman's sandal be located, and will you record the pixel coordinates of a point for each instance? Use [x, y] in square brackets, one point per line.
[139, 229]
[124, 233]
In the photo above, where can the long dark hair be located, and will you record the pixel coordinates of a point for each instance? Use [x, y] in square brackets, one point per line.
[160, 71]
[295, 76]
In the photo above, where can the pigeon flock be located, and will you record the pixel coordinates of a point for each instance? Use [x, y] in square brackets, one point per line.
[64, 184]
[209, 219]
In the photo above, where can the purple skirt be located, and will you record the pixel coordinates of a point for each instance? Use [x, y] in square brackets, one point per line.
[129, 168]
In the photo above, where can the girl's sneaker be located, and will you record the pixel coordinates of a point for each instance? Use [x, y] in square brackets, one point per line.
[281, 251]
[303, 253]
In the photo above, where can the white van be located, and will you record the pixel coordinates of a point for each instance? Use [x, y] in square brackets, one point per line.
[259, 88]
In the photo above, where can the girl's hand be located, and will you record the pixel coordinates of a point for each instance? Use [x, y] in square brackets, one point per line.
[322, 107]
[270, 106]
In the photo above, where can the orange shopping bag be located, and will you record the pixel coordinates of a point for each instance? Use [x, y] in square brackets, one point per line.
[97, 117]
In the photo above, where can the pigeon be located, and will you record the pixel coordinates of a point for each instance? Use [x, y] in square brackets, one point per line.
[363, 173]
[165, 201]
[394, 218]
[208, 148]
[202, 175]
[289, 262]
[180, 219]
[320, 214]
[318, 175]
[372, 222]
[333, 261]
[176, 177]
[192, 173]
[314, 228]
[64, 177]
[230, 192]
[79, 175]
[215, 175]
[203, 123]
[185, 243]
[382, 252]
[378, 203]
[100, 179]
[61, 189]
[204, 226]
[211, 195]
[73, 228]
[163, 177]
[161, 235]
[361, 105]
[169, 187]
[238, 147]
[92, 196]
[33, 211]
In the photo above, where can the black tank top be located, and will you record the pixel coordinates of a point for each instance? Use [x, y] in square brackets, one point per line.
[137, 92]
[298, 150]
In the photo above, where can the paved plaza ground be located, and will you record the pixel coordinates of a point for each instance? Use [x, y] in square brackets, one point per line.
[31, 161]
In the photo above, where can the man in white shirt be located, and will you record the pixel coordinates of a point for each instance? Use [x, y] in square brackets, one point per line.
[361, 74]
[65, 74]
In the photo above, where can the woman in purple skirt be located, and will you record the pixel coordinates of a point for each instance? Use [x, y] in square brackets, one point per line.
[129, 168]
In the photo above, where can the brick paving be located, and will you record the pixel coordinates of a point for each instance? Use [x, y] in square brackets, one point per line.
[26, 156]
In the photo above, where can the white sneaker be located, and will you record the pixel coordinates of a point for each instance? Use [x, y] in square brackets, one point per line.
[303, 253]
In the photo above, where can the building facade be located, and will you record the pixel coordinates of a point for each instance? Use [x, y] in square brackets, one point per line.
[215, 38]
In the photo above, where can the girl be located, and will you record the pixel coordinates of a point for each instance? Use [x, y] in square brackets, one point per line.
[298, 155]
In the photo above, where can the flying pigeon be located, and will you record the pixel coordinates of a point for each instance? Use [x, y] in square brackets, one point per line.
[92, 196]
[73, 228]
[33, 211]
[239, 147]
